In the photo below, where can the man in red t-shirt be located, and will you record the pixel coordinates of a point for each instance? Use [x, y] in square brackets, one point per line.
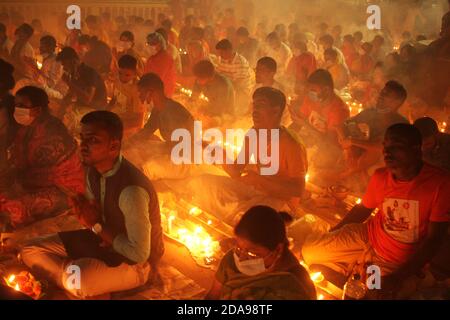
[412, 220]
[317, 119]
[161, 62]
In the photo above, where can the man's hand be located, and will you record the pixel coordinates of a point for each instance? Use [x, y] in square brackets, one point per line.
[87, 211]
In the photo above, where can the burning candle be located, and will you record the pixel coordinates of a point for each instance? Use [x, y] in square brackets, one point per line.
[39, 65]
[317, 277]
[358, 201]
[307, 177]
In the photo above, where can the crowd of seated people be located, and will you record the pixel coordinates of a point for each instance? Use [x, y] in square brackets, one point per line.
[87, 120]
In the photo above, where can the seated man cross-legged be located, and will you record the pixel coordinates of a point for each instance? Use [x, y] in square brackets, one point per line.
[122, 243]
[412, 221]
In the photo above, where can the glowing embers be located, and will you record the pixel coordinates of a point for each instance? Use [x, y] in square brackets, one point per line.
[187, 92]
[26, 283]
[442, 126]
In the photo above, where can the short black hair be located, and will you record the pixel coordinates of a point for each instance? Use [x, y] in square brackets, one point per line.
[151, 81]
[224, 44]
[106, 120]
[268, 62]
[127, 62]
[127, 34]
[406, 131]
[242, 31]
[321, 77]
[427, 126]
[163, 32]
[67, 53]
[276, 97]
[204, 69]
[37, 96]
[25, 28]
[49, 40]
[263, 226]
[398, 89]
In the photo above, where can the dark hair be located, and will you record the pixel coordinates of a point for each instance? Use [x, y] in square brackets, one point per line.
[331, 53]
[406, 131]
[263, 226]
[25, 28]
[8, 103]
[49, 40]
[427, 126]
[224, 44]
[7, 81]
[276, 97]
[2, 27]
[106, 120]
[127, 62]
[268, 62]
[162, 32]
[127, 34]
[67, 53]
[328, 38]
[398, 88]
[37, 96]
[273, 36]
[204, 69]
[167, 24]
[151, 81]
[84, 39]
[321, 77]
[242, 31]
[349, 38]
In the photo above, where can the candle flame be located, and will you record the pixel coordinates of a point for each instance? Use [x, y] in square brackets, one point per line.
[317, 277]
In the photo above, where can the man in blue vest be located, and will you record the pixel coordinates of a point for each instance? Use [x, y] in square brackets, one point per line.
[122, 243]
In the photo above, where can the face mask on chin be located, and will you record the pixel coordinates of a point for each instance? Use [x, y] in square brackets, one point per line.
[251, 267]
[23, 116]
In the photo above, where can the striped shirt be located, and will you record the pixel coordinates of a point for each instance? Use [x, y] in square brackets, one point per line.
[238, 71]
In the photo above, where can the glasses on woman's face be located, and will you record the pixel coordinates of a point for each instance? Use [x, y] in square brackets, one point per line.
[244, 253]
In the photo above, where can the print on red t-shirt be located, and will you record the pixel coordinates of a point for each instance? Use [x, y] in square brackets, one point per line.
[405, 210]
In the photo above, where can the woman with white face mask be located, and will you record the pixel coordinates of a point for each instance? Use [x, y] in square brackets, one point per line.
[45, 164]
[261, 266]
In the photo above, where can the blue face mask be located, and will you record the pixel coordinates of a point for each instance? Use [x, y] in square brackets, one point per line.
[314, 96]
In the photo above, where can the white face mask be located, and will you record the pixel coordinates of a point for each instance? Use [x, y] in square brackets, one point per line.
[251, 267]
[23, 116]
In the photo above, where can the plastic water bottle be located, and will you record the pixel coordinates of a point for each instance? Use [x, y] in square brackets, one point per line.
[354, 288]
